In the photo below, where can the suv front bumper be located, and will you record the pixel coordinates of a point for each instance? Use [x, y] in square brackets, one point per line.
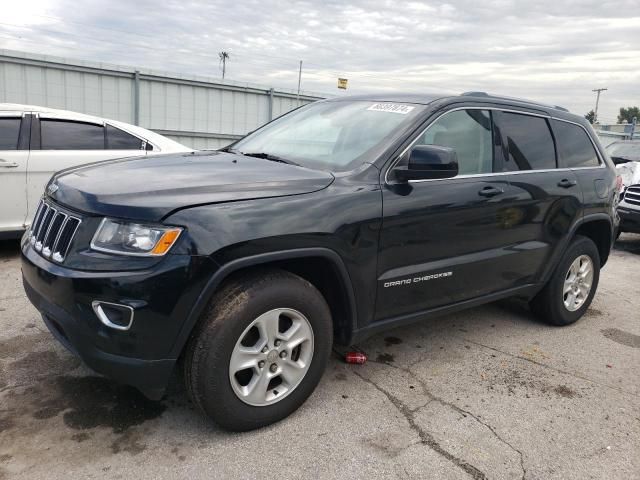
[162, 298]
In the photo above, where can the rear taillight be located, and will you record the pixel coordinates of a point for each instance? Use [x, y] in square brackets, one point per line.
[618, 184]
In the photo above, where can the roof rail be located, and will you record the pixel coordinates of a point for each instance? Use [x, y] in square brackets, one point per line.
[521, 100]
[475, 94]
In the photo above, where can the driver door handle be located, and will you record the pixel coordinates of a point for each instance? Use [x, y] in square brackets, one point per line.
[566, 183]
[490, 192]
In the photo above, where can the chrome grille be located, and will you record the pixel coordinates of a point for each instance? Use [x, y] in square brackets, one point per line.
[632, 195]
[52, 231]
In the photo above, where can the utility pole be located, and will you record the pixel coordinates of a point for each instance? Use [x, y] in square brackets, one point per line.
[597, 90]
[224, 56]
[299, 79]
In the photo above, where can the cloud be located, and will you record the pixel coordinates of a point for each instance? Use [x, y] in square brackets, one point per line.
[546, 50]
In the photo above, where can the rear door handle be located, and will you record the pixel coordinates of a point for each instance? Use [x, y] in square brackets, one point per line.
[5, 164]
[490, 192]
[566, 183]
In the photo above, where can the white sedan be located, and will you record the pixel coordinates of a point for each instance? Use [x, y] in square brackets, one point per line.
[35, 142]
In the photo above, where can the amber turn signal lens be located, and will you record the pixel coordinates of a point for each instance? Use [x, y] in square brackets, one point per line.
[166, 241]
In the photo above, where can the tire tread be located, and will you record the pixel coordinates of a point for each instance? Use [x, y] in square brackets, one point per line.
[230, 302]
[546, 305]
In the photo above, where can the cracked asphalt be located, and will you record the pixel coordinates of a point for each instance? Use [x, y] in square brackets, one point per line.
[486, 393]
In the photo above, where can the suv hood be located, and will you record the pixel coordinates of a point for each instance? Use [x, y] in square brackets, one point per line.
[149, 188]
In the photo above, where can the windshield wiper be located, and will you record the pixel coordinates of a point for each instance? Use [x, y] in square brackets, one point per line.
[268, 156]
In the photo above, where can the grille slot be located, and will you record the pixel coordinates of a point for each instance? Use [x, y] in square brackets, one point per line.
[632, 195]
[52, 231]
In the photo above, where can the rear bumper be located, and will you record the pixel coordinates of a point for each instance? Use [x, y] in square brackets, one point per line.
[144, 355]
[629, 220]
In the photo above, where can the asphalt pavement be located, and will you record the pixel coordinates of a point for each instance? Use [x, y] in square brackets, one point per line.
[486, 393]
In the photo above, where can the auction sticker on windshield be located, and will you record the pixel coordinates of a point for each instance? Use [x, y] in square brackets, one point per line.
[391, 107]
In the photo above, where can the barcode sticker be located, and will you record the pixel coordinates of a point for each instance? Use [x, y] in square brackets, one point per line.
[391, 108]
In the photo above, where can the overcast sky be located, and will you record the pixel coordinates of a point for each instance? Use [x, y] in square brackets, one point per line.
[554, 51]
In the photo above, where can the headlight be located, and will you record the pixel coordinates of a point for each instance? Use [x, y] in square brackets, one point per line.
[126, 238]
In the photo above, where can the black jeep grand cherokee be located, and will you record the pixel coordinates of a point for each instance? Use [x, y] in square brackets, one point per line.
[335, 221]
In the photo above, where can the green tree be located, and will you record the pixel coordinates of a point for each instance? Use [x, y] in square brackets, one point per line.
[628, 114]
[591, 116]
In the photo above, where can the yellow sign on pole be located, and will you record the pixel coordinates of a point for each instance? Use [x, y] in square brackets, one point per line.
[342, 83]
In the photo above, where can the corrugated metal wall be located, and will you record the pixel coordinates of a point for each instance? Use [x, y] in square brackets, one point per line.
[199, 112]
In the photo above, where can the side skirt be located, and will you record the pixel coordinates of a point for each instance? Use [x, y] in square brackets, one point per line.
[527, 291]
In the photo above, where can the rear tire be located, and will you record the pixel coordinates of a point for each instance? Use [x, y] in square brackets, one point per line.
[261, 315]
[570, 290]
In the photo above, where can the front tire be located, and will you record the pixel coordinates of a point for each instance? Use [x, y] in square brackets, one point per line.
[259, 351]
[569, 292]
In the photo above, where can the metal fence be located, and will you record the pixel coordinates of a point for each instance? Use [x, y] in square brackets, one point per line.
[200, 112]
[614, 132]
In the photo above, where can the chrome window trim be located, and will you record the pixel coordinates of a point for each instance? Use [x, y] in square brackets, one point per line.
[476, 175]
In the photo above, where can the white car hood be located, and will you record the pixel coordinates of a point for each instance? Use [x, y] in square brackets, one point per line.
[630, 173]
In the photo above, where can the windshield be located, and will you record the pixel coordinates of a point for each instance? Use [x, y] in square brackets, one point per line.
[626, 150]
[330, 135]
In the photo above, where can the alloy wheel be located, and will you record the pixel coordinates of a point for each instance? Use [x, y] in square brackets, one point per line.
[271, 357]
[577, 283]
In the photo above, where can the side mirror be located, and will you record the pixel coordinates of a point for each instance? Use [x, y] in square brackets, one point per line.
[428, 162]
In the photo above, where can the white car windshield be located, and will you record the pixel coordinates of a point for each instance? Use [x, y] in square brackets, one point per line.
[331, 135]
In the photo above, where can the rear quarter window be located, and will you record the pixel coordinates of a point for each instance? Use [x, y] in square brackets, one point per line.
[575, 149]
[120, 140]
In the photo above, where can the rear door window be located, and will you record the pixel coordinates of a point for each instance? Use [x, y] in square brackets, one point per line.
[575, 149]
[120, 140]
[9, 133]
[528, 142]
[68, 135]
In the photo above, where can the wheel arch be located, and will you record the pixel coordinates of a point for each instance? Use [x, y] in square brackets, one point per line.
[598, 227]
[322, 267]
[600, 230]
